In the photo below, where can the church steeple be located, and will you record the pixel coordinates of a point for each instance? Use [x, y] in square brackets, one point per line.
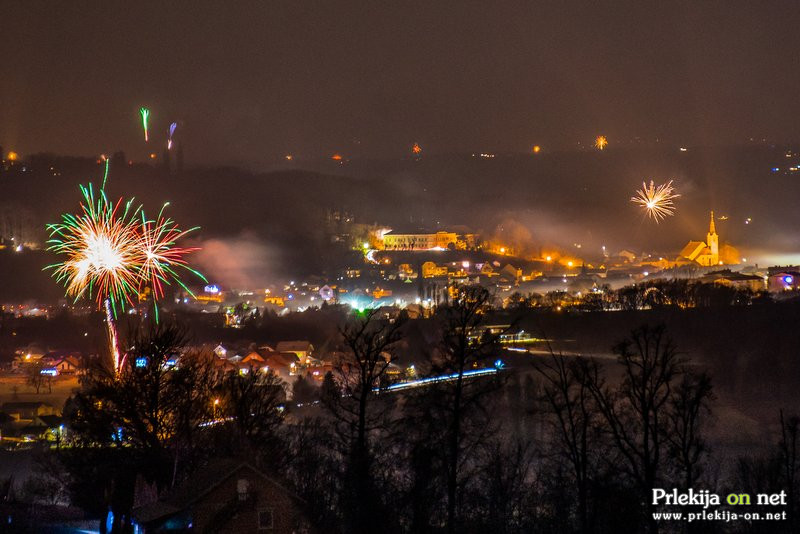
[712, 241]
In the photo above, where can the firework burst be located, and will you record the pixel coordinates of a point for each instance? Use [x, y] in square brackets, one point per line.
[161, 259]
[101, 245]
[113, 252]
[658, 202]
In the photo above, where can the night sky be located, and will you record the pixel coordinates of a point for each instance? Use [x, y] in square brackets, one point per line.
[251, 81]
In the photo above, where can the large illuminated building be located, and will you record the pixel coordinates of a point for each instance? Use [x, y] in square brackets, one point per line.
[709, 252]
[432, 241]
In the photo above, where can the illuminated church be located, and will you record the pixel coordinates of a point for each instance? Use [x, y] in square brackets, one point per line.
[710, 253]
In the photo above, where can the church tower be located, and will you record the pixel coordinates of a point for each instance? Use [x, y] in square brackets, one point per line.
[712, 240]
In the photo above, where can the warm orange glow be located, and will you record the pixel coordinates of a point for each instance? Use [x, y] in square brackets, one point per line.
[537, 149]
[289, 157]
[601, 142]
[336, 157]
[152, 156]
[13, 156]
[277, 301]
[209, 298]
[569, 263]
[416, 149]
[549, 258]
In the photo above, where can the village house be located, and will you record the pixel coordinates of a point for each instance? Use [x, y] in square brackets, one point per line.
[227, 496]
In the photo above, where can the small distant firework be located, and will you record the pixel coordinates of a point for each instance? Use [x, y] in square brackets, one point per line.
[416, 149]
[658, 202]
[537, 149]
[145, 113]
[601, 142]
[106, 161]
[172, 128]
[336, 157]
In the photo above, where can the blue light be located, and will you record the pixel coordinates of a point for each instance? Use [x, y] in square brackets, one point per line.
[775, 169]
[499, 364]
[437, 379]
[211, 288]
[141, 362]
[788, 279]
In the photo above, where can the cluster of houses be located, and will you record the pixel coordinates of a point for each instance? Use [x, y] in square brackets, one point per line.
[287, 359]
[290, 359]
[22, 422]
[52, 363]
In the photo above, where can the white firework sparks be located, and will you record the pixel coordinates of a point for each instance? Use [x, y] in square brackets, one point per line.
[658, 202]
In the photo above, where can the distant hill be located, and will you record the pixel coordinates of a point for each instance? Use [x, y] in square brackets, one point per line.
[564, 198]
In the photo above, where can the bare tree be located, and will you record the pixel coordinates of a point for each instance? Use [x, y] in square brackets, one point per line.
[136, 422]
[575, 418]
[34, 376]
[314, 469]
[790, 461]
[250, 405]
[688, 407]
[500, 495]
[636, 411]
[463, 344]
[369, 342]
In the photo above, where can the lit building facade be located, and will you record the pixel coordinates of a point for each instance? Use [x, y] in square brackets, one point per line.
[442, 240]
